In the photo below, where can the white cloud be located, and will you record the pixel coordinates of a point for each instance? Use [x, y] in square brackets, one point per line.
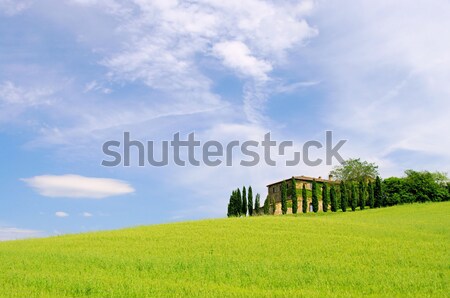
[12, 94]
[236, 55]
[86, 214]
[75, 186]
[61, 214]
[11, 233]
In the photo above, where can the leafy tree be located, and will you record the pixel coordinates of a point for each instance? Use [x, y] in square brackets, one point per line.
[304, 199]
[343, 190]
[244, 202]
[371, 195]
[315, 200]
[250, 201]
[354, 197]
[355, 170]
[425, 186]
[267, 205]
[362, 195]
[294, 196]
[378, 193]
[396, 191]
[325, 198]
[333, 199]
[257, 204]
[283, 197]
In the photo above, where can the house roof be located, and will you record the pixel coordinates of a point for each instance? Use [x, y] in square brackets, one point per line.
[303, 178]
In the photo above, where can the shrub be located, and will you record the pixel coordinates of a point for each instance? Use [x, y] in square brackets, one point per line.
[354, 197]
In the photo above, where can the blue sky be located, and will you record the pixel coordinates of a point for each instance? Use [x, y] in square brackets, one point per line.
[77, 73]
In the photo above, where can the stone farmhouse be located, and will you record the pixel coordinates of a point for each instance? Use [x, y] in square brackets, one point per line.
[274, 191]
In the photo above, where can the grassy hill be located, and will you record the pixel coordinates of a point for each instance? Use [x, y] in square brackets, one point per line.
[397, 251]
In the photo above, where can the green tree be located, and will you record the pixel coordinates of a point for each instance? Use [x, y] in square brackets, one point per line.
[343, 190]
[304, 199]
[283, 197]
[294, 196]
[354, 197]
[244, 202]
[362, 195]
[273, 205]
[425, 186]
[238, 202]
[257, 204]
[355, 170]
[267, 205]
[250, 201]
[378, 194]
[371, 195]
[315, 200]
[325, 198]
[333, 199]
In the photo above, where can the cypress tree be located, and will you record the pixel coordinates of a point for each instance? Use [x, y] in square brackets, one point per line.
[238, 202]
[333, 199]
[230, 205]
[244, 202]
[362, 194]
[343, 197]
[371, 195]
[354, 197]
[325, 198]
[377, 193]
[273, 205]
[294, 196]
[250, 201]
[257, 204]
[283, 198]
[304, 199]
[315, 200]
[267, 205]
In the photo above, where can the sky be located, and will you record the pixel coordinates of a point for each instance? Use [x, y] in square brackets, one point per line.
[75, 74]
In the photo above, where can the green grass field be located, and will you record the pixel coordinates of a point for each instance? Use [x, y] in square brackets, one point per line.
[390, 252]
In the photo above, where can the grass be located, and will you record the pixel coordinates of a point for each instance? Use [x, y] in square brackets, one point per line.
[390, 252]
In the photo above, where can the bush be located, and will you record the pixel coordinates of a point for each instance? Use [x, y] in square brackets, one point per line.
[354, 197]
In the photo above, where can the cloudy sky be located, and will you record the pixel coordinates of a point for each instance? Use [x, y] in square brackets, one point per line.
[77, 73]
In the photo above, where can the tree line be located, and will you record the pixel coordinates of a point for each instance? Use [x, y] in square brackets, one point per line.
[415, 186]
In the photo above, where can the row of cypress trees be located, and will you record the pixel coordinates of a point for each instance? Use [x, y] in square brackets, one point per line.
[351, 194]
[242, 203]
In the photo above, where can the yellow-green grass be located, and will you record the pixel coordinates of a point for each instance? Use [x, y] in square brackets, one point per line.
[391, 252]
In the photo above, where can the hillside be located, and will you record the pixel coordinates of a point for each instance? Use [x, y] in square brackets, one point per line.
[397, 251]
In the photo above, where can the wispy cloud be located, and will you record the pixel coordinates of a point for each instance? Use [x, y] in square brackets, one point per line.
[75, 186]
[13, 7]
